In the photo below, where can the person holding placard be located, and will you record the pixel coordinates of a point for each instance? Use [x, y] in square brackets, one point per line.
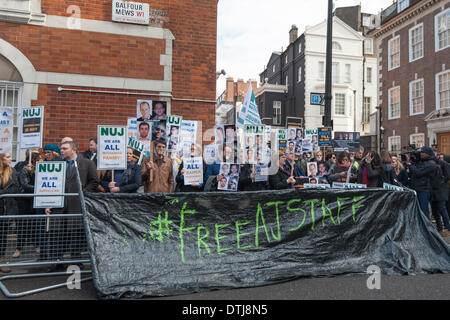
[125, 181]
[24, 229]
[247, 179]
[9, 184]
[340, 171]
[161, 179]
[180, 182]
[72, 228]
[283, 178]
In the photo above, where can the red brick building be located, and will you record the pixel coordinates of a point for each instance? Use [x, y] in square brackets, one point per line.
[87, 69]
[413, 46]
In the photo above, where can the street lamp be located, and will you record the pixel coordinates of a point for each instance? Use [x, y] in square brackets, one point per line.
[219, 73]
[327, 122]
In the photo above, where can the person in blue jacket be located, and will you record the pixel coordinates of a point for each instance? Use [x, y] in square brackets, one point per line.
[125, 181]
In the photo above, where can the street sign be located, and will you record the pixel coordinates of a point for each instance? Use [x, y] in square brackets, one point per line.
[317, 99]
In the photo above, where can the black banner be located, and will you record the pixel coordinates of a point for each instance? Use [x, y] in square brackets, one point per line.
[179, 243]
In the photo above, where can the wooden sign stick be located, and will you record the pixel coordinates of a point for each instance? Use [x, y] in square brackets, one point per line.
[151, 160]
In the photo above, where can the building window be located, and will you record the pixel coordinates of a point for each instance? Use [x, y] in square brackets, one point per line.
[394, 103]
[416, 101]
[368, 46]
[321, 70]
[442, 30]
[394, 144]
[277, 112]
[299, 74]
[286, 59]
[402, 5]
[299, 48]
[416, 43]
[417, 139]
[366, 109]
[443, 90]
[336, 46]
[339, 104]
[287, 80]
[394, 53]
[11, 96]
[369, 75]
[348, 73]
[273, 68]
[335, 72]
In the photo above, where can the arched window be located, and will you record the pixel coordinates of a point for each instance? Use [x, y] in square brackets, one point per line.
[11, 88]
[336, 46]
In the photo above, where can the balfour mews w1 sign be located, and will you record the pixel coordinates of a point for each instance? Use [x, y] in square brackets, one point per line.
[130, 12]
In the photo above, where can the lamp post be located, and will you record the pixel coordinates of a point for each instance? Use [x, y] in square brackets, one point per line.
[327, 122]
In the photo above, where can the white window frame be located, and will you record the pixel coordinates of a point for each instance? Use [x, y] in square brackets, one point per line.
[389, 103]
[286, 59]
[438, 98]
[411, 50]
[411, 97]
[299, 74]
[369, 75]
[336, 46]
[287, 80]
[367, 106]
[6, 86]
[390, 67]
[336, 101]
[436, 29]
[321, 73]
[300, 47]
[273, 68]
[405, 5]
[335, 75]
[276, 112]
[348, 73]
[412, 136]
[390, 143]
[366, 41]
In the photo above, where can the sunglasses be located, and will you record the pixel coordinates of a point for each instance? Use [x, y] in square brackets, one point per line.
[160, 130]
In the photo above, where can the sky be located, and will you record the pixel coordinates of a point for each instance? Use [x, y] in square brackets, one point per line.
[248, 31]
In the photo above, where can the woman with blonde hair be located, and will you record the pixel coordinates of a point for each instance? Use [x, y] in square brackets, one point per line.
[9, 183]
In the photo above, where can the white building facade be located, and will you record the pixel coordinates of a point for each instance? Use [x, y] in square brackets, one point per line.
[354, 83]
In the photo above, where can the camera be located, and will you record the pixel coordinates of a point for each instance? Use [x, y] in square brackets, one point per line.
[414, 156]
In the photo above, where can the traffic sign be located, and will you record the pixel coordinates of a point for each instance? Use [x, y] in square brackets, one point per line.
[317, 99]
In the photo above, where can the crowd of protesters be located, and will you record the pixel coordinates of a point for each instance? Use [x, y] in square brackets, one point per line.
[426, 173]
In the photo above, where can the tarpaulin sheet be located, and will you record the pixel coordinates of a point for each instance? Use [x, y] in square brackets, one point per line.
[180, 243]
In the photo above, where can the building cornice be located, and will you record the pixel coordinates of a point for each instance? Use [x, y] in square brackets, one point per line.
[404, 17]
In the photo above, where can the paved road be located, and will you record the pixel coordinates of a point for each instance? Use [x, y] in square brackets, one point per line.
[421, 287]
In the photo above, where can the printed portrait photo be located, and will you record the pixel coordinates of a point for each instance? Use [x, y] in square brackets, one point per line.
[312, 169]
[144, 110]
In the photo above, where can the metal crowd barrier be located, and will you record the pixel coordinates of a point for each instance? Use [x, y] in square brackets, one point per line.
[44, 241]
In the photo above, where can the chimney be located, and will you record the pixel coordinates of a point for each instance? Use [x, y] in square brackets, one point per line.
[293, 34]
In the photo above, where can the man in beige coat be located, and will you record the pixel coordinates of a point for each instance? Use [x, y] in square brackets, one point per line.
[157, 175]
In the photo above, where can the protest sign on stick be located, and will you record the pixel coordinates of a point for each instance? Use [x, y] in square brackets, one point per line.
[32, 121]
[112, 147]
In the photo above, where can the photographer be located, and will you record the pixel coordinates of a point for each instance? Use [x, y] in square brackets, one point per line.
[440, 196]
[422, 171]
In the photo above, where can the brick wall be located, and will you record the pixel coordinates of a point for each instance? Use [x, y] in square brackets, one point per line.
[77, 114]
[425, 68]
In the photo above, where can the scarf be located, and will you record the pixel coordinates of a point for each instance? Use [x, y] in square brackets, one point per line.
[347, 165]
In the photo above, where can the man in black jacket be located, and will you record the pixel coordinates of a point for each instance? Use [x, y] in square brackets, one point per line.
[422, 174]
